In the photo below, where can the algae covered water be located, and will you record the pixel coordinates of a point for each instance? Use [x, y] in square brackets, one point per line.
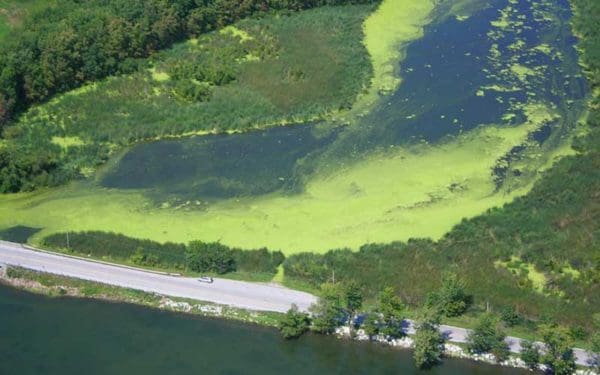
[41, 335]
[508, 65]
[490, 95]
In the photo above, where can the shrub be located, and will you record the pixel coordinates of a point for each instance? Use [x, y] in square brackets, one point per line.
[197, 256]
[429, 341]
[451, 299]
[294, 323]
[510, 317]
[559, 354]
[487, 337]
[530, 354]
[210, 257]
[195, 92]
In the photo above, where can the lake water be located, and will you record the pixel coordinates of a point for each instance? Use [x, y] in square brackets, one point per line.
[41, 335]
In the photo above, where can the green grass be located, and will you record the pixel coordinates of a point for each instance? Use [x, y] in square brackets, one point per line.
[56, 286]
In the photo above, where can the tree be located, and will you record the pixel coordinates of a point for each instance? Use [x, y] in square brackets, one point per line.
[391, 308]
[530, 354]
[488, 337]
[353, 300]
[328, 313]
[371, 325]
[4, 111]
[429, 341]
[451, 299]
[210, 257]
[294, 323]
[559, 354]
[201, 20]
[500, 350]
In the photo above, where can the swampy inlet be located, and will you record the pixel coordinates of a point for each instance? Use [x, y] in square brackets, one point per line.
[464, 105]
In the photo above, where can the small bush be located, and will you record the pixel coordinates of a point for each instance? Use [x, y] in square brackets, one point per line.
[294, 323]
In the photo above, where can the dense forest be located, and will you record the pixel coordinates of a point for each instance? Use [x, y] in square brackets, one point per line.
[550, 234]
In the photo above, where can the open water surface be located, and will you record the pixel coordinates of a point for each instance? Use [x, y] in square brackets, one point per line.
[41, 335]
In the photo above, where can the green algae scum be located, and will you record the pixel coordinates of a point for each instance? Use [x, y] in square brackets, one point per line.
[467, 106]
[125, 339]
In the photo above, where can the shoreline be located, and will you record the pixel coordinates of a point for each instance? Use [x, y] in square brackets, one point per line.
[59, 286]
[451, 350]
[55, 286]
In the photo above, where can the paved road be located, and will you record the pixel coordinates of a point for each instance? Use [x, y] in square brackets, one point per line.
[253, 296]
[246, 295]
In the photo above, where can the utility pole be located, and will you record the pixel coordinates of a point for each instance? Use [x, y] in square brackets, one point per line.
[68, 247]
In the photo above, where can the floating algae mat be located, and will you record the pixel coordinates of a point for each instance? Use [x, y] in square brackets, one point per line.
[468, 105]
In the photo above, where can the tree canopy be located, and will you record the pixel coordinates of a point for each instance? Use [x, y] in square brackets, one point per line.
[488, 337]
[429, 341]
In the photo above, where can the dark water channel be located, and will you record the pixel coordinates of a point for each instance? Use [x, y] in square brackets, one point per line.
[447, 76]
[219, 166]
[40, 335]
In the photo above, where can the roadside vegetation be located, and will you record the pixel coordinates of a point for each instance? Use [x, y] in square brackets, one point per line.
[385, 321]
[428, 340]
[488, 337]
[196, 257]
[294, 323]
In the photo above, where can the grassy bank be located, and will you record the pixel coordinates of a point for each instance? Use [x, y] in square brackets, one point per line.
[256, 72]
[59, 286]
